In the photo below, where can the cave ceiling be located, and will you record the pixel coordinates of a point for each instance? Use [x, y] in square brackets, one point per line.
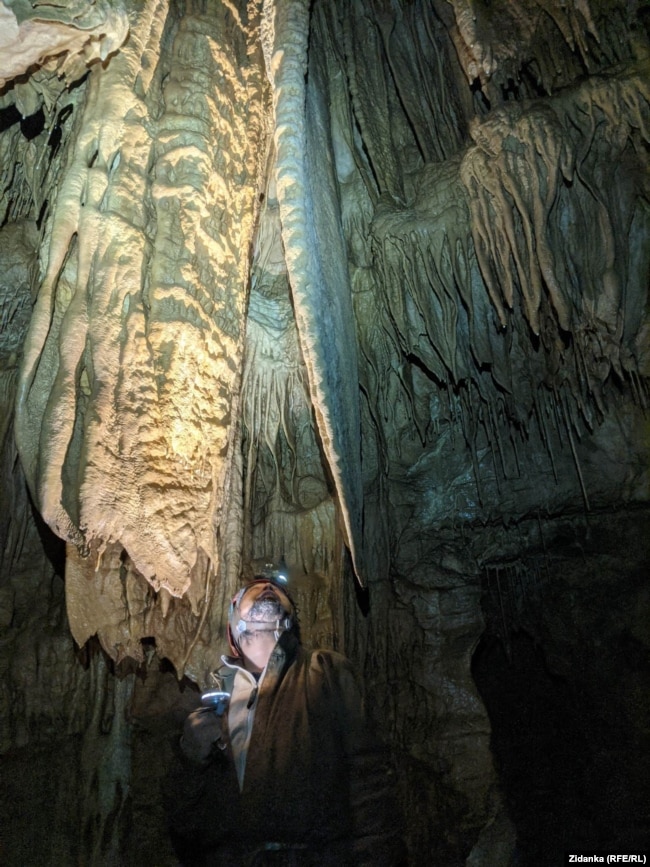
[315, 280]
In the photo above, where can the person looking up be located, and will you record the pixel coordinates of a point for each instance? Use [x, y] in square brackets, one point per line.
[290, 771]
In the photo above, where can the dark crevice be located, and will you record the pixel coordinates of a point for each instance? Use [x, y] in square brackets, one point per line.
[8, 117]
[33, 125]
[563, 669]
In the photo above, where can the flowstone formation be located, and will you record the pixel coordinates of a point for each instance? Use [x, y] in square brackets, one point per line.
[132, 366]
[360, 284]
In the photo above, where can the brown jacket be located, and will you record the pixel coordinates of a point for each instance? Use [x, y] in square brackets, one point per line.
[317, 790]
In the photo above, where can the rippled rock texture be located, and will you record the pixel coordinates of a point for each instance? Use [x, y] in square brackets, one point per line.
[357, 284]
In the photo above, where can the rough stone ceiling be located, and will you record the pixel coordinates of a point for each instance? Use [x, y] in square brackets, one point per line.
[313, 274]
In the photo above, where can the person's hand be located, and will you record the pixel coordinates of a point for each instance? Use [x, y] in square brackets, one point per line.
[202, 733]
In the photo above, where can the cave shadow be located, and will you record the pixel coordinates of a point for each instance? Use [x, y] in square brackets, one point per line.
[563, 767]
[53, 546]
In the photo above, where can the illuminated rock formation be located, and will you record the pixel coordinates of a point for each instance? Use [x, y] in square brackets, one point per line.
[359, 284]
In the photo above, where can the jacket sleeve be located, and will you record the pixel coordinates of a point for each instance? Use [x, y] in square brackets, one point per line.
[376, 819]
[199, 803]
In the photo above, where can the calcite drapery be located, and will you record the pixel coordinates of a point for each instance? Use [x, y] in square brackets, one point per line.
[316, 255]
[132, 370]
[493, 285]
[411, 176]
[66, 36]
[132, 366]
[153, 134]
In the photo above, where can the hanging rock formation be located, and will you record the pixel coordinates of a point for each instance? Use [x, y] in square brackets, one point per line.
[361, 284]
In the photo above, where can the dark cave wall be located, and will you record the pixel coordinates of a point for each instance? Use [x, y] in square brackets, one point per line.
[552, 616]
[558, 638]
[414, 647]
[564, 670]
[476, 436]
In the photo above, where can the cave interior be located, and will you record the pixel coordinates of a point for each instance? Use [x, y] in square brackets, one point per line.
[358, 286]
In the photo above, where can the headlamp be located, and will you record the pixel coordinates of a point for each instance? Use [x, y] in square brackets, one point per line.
[237, 626]
[277, 576]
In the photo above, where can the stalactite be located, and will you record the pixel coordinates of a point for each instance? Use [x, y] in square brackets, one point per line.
[502, 44]
[512, 595]
[29, 173]
[419, 71]
[291, 511]
[274, 387]
[414, 270]
[141, 306]
[371, 98]
[67, 36]
[316, 263]
[545, 142]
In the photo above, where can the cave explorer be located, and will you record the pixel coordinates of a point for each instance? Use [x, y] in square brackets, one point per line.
[289, 773]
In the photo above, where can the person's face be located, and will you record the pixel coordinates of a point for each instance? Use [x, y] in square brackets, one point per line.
[265, 603]
[255, 596]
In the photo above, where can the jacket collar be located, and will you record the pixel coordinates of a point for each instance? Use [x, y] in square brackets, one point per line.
[282, 655]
